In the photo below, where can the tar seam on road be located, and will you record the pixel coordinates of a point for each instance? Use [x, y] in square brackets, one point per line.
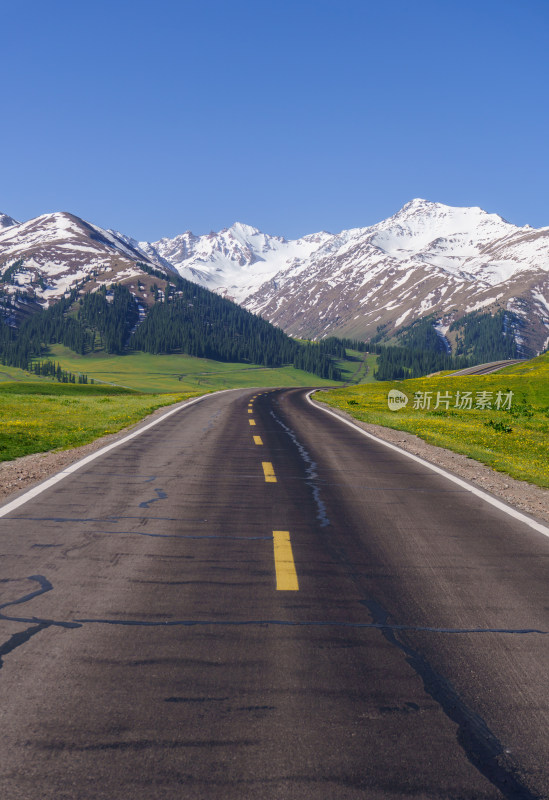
[310, 472]
[480, 745]
[161, 495]
[532, 523]
[218, 537]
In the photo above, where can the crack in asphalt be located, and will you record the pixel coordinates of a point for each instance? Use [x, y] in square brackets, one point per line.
[187, 536]
[480, 745]
[311, 473]
[378, 613]
[312, 624]
[45, 586]
[36, 625]
[20, 638]
[112, 519]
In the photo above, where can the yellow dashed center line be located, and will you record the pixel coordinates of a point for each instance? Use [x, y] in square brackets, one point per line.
[286, 575]
[268, 471]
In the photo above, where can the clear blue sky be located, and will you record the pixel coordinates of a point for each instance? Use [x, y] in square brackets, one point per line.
[292, 115]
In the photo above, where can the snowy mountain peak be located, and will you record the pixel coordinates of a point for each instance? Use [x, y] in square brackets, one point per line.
[415, 205]
[235, 261]
[445, 236]
[453, 215]
[241, 230]
[6, 221]
[58, 251]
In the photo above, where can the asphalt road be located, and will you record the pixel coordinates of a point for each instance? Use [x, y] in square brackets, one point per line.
[491, 366]
[281, 610]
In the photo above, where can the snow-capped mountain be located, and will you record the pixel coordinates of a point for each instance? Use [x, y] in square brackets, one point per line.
[6, 221]
[234, 262]
[47, 256]
[428, 258]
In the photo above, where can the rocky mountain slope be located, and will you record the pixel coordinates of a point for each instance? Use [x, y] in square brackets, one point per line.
[42, 259]
[6, 222]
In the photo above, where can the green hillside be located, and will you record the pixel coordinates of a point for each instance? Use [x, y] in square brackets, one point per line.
[185, 319]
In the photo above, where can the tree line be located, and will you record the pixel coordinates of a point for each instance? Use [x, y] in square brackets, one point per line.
[50, 369]
[482, 337]
[186, 319]
[197, 322]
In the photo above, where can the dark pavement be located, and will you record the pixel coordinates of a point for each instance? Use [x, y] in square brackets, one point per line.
[146, 651]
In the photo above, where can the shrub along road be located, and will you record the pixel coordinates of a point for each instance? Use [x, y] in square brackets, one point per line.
[252, 600]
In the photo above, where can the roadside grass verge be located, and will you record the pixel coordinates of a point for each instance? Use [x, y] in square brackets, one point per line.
[40, 416]
[513, 441]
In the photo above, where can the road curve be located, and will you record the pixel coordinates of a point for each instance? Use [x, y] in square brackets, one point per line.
[253, 600]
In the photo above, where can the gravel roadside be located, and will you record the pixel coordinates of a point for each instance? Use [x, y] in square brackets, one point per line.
[22, 473]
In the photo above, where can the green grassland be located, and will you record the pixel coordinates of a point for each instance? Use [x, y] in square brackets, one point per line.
[513, 441]
[366, 364]
[146, 372]
[16, 374]
[38, 414]
[45, 415]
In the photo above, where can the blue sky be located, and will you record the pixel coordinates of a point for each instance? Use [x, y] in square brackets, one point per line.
[293, 115]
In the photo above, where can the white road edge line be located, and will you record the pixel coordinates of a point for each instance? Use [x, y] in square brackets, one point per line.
[36, 490]
[537, 526]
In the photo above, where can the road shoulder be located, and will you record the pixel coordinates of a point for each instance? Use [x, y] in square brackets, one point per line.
[23, 473]
[523, 496]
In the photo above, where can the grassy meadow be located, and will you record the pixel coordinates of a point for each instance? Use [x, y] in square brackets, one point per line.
[146, 372]
[39, 414]
[43, 415]
[360, 369]
[513, 441]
